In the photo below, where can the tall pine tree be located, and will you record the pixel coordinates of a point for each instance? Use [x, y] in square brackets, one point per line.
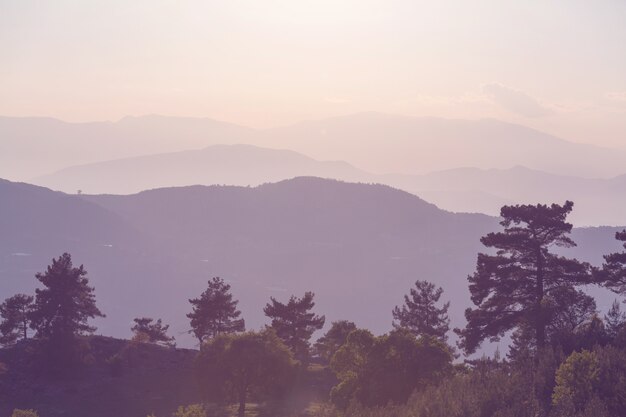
[523, 284]
[63, 307]
[215, 312]
[420, 314]
[613, 271]
[62, 311]
[294, 322]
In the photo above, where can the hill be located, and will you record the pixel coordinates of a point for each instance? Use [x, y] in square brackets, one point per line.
[417, 145]
[597, 201]
[153, 379]
[359, 247]
[34, 146]
[216, 164]
[31, 147]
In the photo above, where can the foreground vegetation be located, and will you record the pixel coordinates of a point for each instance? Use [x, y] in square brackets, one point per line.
[565, 359]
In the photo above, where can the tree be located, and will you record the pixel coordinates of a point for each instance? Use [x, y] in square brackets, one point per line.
[613, 271]
[420, 314]
[236, 367]
[15, 312]
[592, 375]
[377, 370]
[523, 283]
[66, 303]
[62, 310]
[335, 337]
[153, 332]
[614, 319]
[294, 323]
[215, 312]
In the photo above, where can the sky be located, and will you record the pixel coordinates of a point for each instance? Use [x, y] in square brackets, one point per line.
[558, 66]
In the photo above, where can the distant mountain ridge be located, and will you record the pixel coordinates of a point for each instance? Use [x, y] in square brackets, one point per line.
[598, 201]
[378, 143]
[217, 164]
[359, 247]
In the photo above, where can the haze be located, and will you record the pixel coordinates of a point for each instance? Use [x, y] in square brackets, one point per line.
[555, 66]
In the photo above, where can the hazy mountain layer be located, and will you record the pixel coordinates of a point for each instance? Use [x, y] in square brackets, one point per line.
[217, 164]
[359, 247]
[598, 201]
[31, 147]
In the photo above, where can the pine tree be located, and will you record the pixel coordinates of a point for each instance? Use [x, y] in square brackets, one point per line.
[420, 314]
[215, 312]
[613, 272]
[614, 319]
[294, 323]
[62, 310]
[152, 331]
[523, 283]
[66, 303]
[15, 312]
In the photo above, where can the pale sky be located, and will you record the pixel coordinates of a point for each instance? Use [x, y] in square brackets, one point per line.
[559, 66]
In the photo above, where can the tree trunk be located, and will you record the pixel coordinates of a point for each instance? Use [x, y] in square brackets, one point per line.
[540, 325]
[242, 404]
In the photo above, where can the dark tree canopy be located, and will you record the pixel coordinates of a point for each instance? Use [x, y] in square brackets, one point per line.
[66, 303]
[335, 337]
[152, 331]
[215, 312]
[294, 322]
[15, 312]
[523, 283]
[378, 370]
[237, 367]
[420, 314]
[614, 269]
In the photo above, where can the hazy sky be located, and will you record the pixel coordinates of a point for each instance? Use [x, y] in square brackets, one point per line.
[559, 66]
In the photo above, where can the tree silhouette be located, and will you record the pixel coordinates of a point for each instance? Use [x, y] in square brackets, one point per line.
[335, 337]
[239, 366]
[62, 310]
[523, 283]
[378, 370]
[420, 314]
[215, 312]
[613, 271]
[294, 323]
[15, 312]
[153, 332]
[615, 319]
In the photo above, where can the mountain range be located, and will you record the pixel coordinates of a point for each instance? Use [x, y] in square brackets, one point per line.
[598, 201]
[378, 143]
[359, 247]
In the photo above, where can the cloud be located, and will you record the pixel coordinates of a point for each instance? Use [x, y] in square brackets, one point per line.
[515, 101]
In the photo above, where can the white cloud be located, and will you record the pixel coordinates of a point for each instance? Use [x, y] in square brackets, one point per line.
[516, 101]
